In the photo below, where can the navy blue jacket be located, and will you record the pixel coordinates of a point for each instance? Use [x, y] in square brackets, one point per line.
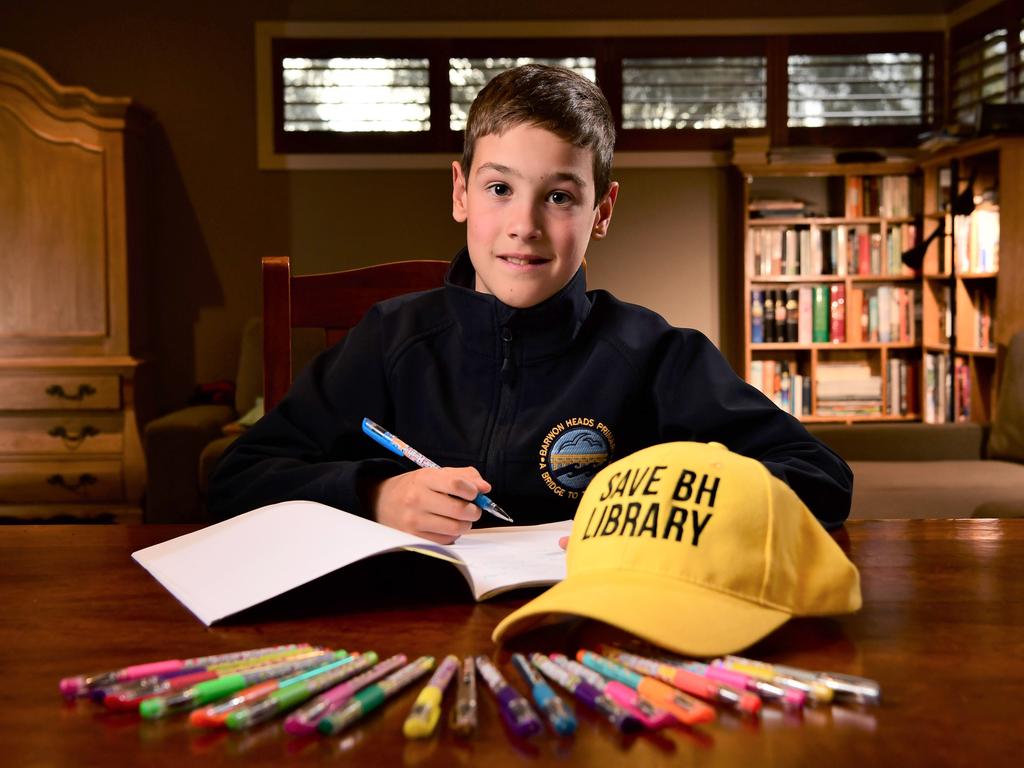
[537, 399]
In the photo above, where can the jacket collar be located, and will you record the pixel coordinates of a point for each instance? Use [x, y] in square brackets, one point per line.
[540, 331]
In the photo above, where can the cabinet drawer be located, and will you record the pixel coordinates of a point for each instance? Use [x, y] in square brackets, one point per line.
[60, 481]
[40, 392]
[62, 434]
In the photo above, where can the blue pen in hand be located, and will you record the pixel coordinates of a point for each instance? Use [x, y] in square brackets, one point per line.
[402, 448]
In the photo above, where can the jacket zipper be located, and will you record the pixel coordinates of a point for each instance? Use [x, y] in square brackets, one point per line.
[500, 425]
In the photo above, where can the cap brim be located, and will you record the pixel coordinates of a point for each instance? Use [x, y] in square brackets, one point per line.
[685, 618]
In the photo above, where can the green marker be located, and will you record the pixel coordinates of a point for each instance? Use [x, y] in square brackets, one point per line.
[212, 690]
[371, 697]
[299, 689]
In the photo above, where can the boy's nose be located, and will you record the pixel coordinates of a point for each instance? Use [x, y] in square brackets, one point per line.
[524, 223]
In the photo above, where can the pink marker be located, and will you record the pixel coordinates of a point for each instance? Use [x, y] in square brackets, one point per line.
[80, 685]
[791, 698]
[629, 699]
[305, 720]
[651, 716]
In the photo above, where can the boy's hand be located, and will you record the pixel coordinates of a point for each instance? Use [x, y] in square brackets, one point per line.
[436, 504]
[563, 542]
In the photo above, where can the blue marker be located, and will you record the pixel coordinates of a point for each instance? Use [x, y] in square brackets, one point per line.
[402, 448]
[554, 708]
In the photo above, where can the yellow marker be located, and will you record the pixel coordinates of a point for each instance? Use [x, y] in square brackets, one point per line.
[817, 692]
[425, 713]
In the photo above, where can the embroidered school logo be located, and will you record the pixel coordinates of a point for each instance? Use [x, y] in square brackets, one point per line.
[572, 452]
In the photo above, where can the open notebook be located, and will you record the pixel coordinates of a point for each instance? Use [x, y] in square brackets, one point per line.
[225, 568]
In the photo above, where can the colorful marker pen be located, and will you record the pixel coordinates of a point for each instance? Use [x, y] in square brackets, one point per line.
[684, 680]
[816, 692]
[214, 715]
[290, 694]
[790, 698]
[402, 448]
[563, 722]
[630, 700]
[371, 697]
[515, 710]
[686, 709]
[363, 672]
[212, 690]
[463, 717]
[118, 696]
[426, 711]
[851, 687]
[79, 685]
[130, 695]
[586, 693]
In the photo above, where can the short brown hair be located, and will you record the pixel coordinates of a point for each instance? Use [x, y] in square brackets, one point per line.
[554, 98]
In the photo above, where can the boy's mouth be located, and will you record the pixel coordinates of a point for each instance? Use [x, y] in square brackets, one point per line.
[522, 260]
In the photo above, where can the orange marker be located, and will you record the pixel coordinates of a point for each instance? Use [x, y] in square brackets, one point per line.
[684, 708]
[684, 680]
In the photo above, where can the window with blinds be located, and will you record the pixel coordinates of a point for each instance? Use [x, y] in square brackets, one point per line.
[412, 95]
[711, 92]
[1019, 65]
[356, 95]
[466, 77]
[979, 75]
[860, 89]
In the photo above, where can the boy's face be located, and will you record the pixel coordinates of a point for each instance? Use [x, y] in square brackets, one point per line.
[528, 204]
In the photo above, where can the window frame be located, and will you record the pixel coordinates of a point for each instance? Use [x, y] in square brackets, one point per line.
[1008, 15]
[647, 139]
[609, 52]
[924, 43]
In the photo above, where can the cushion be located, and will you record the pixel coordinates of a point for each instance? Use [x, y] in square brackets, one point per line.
[249, 378]
[934, 489]
[1007, 438]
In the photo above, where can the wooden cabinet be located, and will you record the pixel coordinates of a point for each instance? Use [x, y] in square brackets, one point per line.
[69, 330]
[973, 274]
[830, 312]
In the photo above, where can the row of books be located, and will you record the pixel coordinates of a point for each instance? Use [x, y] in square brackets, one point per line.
[887, 196]
[982, 328]
[812, 314]
[782, 384]
[979, 330]
[830, 250]
[844, 388]
[938, 380]
[977, 241]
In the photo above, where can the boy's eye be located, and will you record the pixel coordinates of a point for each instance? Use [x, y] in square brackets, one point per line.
[499, 190]
[560, 198]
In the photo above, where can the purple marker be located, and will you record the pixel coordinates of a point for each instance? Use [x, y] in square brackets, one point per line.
[649, 715]
[586, 693]
[515, 710]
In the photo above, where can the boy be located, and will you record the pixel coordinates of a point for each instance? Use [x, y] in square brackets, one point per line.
[513, 372]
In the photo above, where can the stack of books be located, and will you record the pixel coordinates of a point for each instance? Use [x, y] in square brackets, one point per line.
[848, 388]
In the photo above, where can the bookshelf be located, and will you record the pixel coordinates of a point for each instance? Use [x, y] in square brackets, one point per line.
[823, 247]
[973, 281]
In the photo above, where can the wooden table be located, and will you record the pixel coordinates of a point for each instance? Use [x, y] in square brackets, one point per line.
[942, 629]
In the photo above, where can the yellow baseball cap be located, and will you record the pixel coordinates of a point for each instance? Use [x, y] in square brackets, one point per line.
[696, 549]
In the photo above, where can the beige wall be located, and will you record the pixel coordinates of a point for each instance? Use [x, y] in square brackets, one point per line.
[212, 214]
[664, 249]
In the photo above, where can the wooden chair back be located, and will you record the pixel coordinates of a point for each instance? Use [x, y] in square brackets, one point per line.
[333, 301]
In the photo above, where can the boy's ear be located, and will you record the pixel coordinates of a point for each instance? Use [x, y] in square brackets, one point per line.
[603, 213]
[458, 193]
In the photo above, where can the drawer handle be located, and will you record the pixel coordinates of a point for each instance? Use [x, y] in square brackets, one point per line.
[56, 390]
[72, 440]
[84, 480]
